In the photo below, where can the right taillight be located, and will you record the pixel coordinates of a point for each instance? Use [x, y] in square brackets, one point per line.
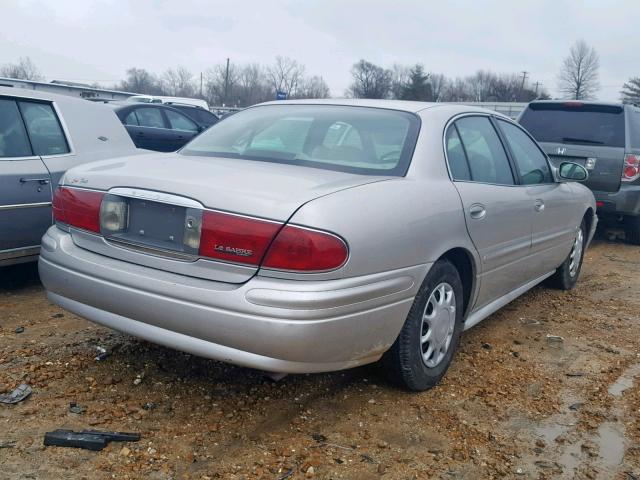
[631, 169]
[304, 250]
[77, 208]
[235, 238]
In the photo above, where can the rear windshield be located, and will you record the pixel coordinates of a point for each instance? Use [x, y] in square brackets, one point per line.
[199, 115]
[576, 123]
[362, 140]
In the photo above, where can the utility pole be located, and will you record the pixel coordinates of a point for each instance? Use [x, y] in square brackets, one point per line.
[201, 85]
[226, 83]
[537, 85]
[524, 78]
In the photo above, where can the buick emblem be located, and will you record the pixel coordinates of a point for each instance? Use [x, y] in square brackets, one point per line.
[561, 150]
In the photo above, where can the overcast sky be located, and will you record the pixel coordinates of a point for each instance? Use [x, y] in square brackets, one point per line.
[97, 40]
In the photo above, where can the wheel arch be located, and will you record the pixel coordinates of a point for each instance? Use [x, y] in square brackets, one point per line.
[463, 260]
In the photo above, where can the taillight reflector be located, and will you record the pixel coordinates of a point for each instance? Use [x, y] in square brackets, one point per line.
[235, 238]
[77, 208]
[631, 169]
[304, 250]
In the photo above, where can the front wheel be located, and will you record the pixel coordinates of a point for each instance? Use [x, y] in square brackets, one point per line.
[430, 336]
[566, 275]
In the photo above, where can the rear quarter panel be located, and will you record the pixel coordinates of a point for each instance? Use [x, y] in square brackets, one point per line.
[399, 222]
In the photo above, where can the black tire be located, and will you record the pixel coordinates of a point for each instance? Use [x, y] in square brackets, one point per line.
[632, 230]
[403, 362]
[564, 278]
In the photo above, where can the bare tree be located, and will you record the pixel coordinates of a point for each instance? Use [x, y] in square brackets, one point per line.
[139, 80]
[631, 91]
[24, 69]
[220, 88]
[286, 75]
[178, 82]
[313, 87]
[438, 85]
[578, 78]
[253, 86]
[399, 78]
[369, 81]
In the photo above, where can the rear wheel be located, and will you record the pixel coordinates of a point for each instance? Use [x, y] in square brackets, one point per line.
[632, 230]
[567, 274]
[430, 336]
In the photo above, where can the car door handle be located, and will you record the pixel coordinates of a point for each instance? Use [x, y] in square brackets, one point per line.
[140, 134]
[477, 211]
[41, 181]
[539, 206]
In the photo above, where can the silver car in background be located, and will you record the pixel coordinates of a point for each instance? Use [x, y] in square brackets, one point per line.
[312, 236]
[41, 136]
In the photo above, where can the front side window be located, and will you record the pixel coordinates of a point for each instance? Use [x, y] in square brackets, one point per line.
[531, 162]
[486, 156]
[45, 131]
[178, 121]
[363, 140]
[13, 138]
[150, 117]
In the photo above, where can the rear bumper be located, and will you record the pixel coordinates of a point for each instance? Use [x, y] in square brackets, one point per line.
[625, 201]
[270, 324]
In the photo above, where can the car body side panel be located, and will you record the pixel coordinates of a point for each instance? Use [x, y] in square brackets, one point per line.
[554, 227]
[25, 204]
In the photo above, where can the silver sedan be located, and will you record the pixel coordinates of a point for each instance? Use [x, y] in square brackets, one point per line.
[311, 236]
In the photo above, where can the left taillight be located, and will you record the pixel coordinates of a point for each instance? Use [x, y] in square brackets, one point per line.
[631, 170]
[77, 208]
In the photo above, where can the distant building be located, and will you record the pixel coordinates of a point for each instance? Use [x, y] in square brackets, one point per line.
[72, 89]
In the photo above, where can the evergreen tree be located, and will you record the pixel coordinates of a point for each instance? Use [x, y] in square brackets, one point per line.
[418, 86]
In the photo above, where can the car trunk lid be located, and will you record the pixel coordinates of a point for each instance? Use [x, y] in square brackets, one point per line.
[164, 194]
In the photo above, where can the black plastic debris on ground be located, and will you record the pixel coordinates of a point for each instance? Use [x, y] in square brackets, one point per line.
[19, 394]
[88, 439]
[19, 330]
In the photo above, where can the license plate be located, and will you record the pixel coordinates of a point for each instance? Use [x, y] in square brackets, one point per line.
[159, 225]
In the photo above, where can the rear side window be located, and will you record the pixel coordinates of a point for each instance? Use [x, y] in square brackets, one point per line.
[486, 156]
[575, 123]
[150, 117]
[45, 131]
[456, 156]
[13, 138]
[362, 140]
[178, 121]
[200, 115]
[131, 119]
[531, 162]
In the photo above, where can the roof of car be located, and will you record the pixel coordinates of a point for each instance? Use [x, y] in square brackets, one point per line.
[402, 105]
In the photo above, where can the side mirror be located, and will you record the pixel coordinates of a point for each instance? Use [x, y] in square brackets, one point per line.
[572, 172]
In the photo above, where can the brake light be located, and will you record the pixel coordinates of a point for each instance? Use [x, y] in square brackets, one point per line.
[631, 169]
[77, 208]
[305, 250]
[235, 238]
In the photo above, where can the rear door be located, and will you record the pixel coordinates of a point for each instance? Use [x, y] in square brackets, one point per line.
[555, 208]
[25, 188]
[498, 212]
[592, 135]
[149, 130]
[182, 128]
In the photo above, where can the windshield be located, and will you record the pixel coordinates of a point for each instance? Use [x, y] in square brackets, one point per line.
[363, 140]
[575, 123]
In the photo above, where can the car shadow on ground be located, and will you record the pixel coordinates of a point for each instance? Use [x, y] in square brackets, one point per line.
[17, 277]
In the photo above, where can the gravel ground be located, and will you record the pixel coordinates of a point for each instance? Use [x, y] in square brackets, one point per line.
[515, 403]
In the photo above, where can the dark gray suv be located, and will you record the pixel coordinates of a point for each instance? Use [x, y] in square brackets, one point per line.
[605, 138]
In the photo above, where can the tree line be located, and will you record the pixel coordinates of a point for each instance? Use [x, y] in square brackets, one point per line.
[241, 85]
